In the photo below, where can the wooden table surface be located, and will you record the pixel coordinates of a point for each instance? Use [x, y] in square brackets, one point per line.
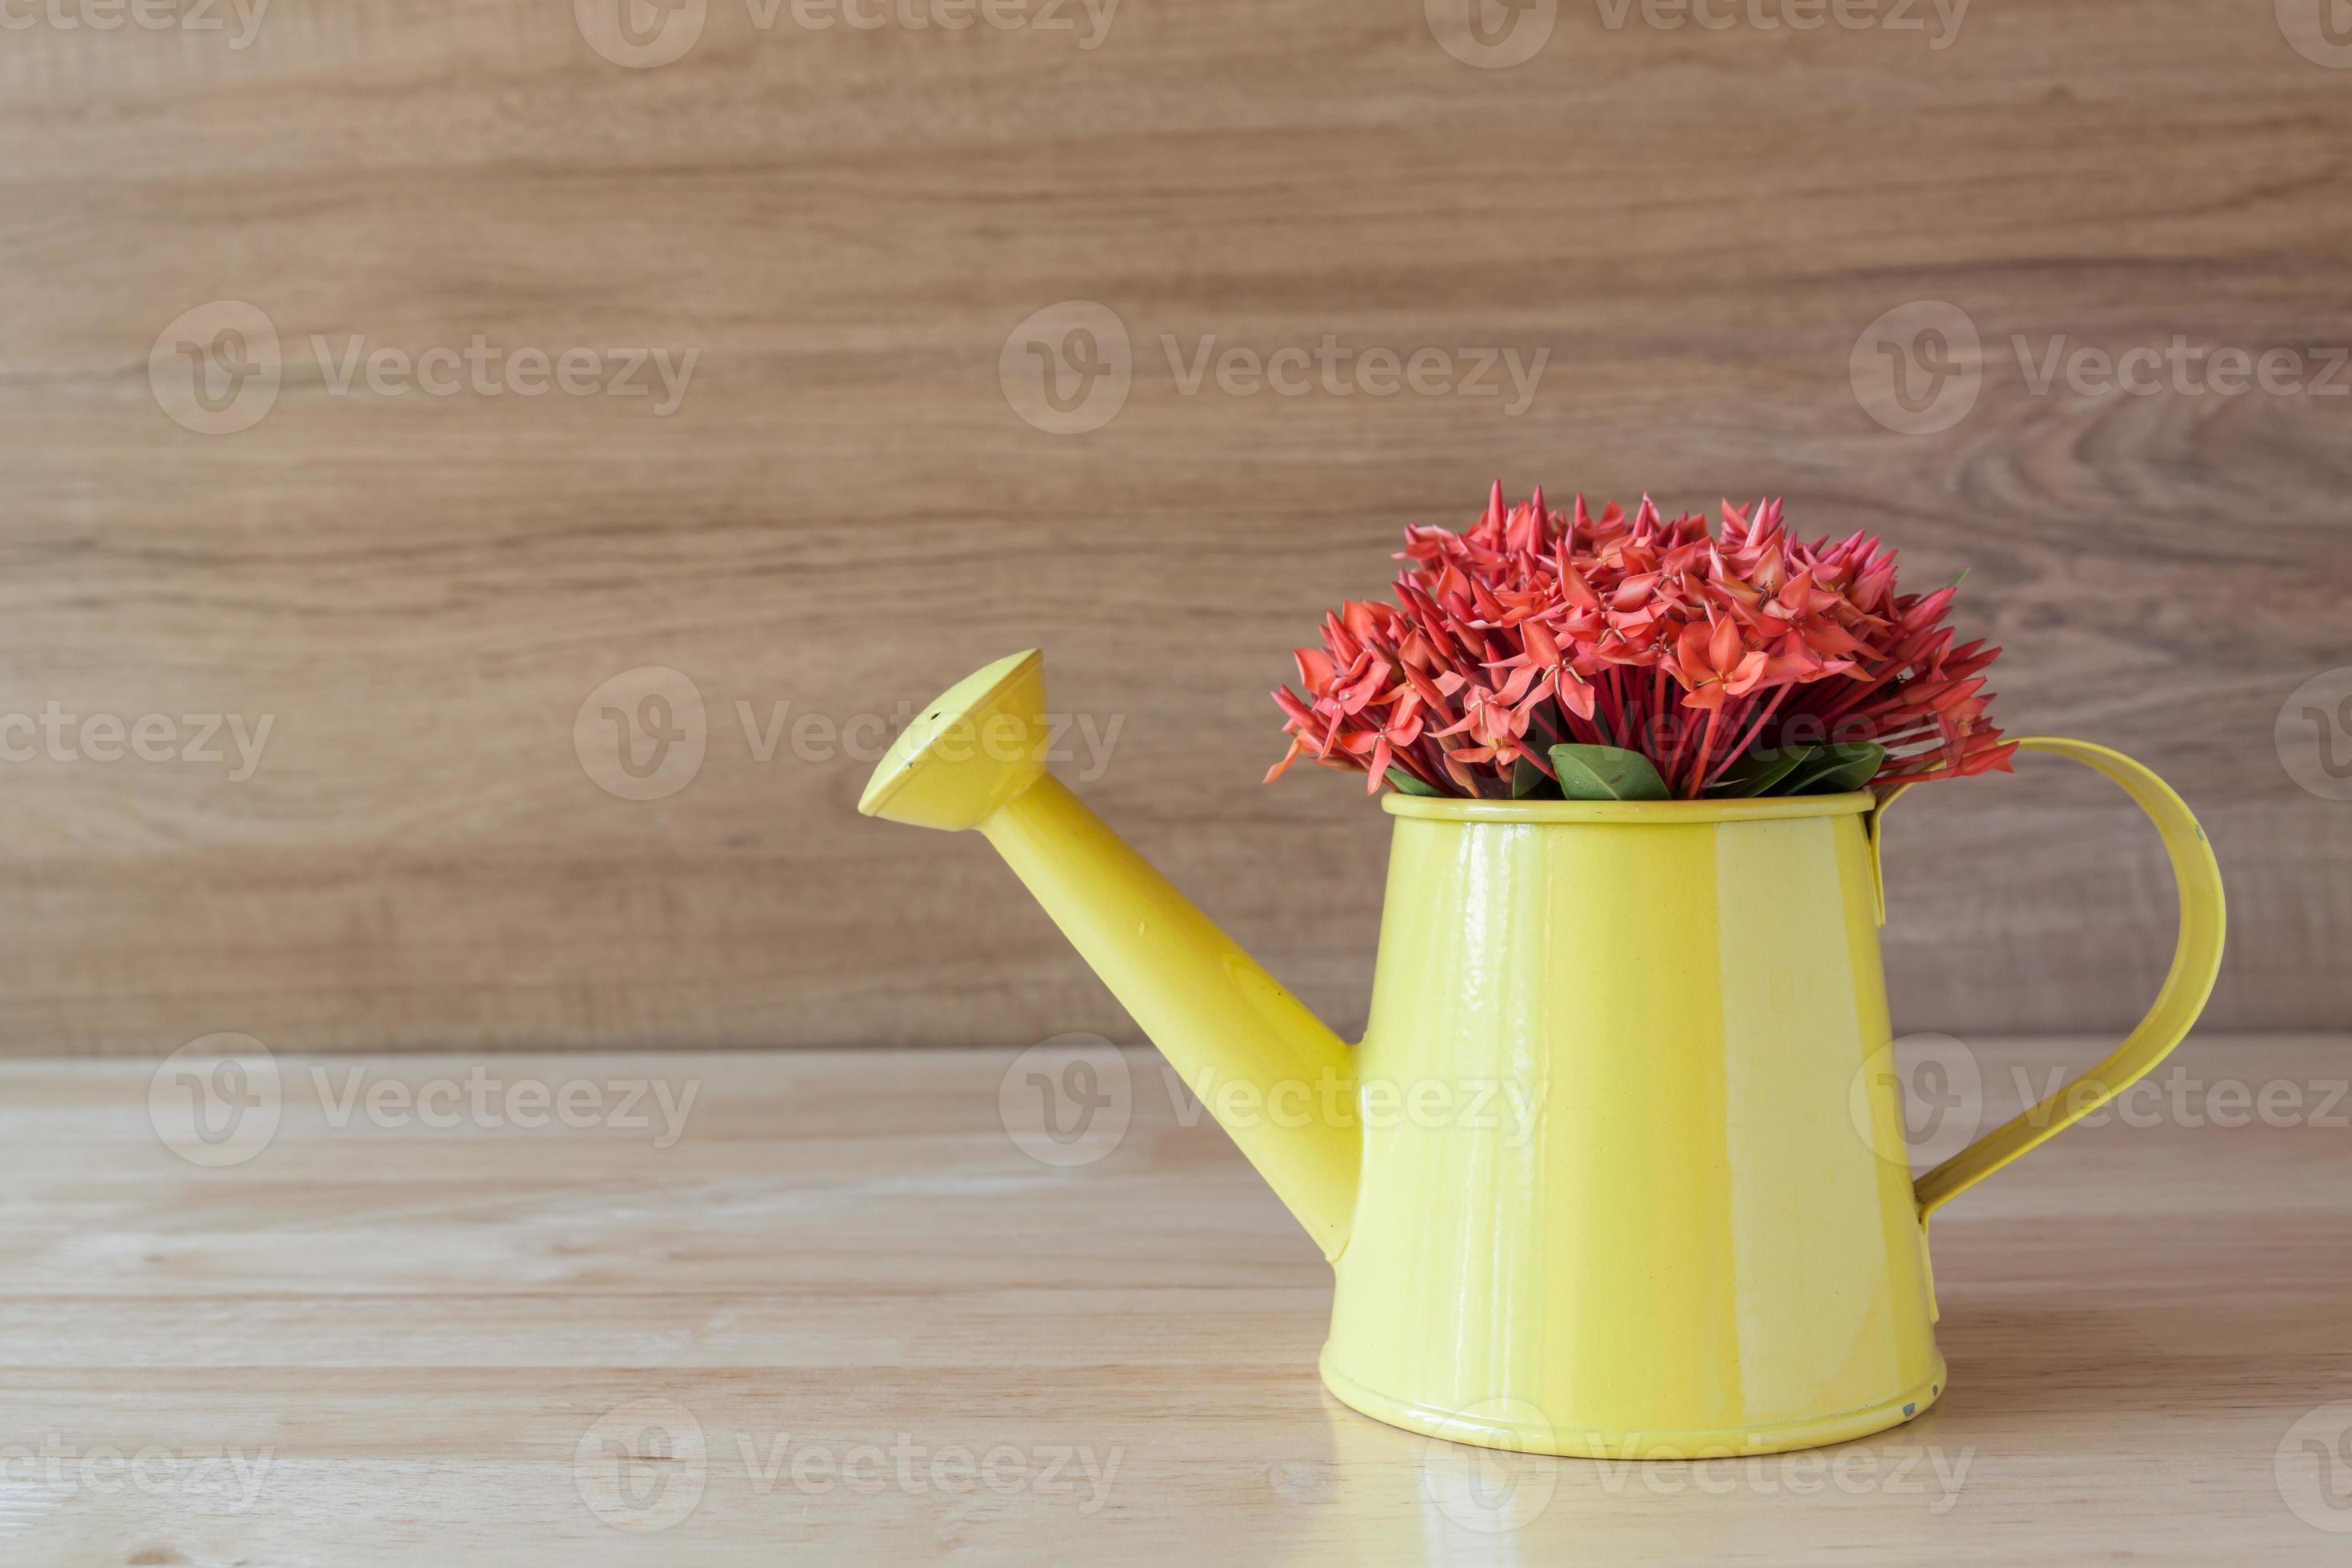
[842, 1314]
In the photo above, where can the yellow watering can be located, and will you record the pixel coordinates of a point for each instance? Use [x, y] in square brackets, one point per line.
[1618, 1169]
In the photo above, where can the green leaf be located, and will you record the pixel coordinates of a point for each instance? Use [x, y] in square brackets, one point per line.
[1837, 768]
[1606, 772]
[1758, 772]
[1404, 783]
[1526, 779]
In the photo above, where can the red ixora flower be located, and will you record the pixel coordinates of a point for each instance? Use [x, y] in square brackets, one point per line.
[1533, 629]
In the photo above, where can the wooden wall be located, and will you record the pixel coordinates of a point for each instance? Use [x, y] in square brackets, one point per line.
[849, 510]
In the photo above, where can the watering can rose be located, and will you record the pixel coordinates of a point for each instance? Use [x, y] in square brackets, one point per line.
[1617, 658]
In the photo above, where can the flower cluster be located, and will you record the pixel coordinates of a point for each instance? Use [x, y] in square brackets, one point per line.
[1533, 629]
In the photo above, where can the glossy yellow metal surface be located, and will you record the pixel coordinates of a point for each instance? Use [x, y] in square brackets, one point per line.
[975, 747]
[1276, 1078]
[1274, 1075]
[2196, 961]
[1690, 1240]
[1619, 1167]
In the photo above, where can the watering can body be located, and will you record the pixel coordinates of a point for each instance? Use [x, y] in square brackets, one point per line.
[1678, 1228]
[1619, 1168]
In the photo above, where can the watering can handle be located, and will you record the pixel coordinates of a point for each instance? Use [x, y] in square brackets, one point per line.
[2194, 964]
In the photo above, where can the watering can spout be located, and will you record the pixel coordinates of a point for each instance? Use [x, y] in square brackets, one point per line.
[1279, 1081]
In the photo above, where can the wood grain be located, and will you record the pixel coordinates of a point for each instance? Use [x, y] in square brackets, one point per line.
[846, 514]
[407, 1335]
